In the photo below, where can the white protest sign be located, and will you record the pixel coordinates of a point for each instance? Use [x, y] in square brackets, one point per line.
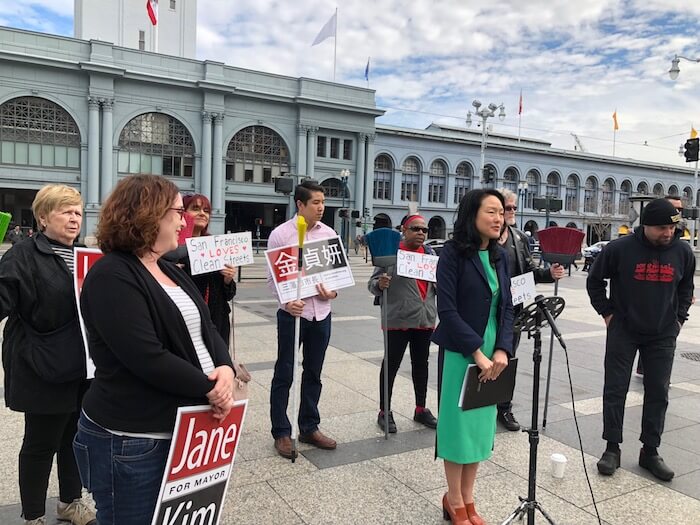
[417, 265]
[211, 253]
[522, 288]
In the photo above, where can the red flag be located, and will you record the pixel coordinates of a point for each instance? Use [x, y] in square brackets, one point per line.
[152, 10]
[520, 104]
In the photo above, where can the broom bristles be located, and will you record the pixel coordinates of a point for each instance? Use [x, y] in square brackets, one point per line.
[560, 245]
[383, 244]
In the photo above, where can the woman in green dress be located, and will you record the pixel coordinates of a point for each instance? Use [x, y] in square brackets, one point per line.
[476, 326]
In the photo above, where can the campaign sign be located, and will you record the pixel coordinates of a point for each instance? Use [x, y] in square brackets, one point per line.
[522, 288]
[211, 253]
[416, 265]
[199, 466]
[83, 259]
[324, 263]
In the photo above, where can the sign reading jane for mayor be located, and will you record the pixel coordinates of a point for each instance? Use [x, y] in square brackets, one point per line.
[324, 262]
[416, 265]
[210, 254]
[199, 466]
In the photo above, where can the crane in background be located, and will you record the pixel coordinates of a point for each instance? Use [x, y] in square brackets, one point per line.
[578, 141]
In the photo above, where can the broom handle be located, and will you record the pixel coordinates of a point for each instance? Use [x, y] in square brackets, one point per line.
[385, 315]
[549, 365]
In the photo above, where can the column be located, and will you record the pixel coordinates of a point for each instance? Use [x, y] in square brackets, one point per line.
[311, 151]
[93, 196]
[360, 172]
[106, 161]
[217, 181]
[301, 149]
[205, 183]
[369, 175]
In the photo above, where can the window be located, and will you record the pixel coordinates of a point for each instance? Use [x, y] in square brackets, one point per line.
[510, 179]
[673, 190]
[571, 203]
[383, 172]
[142, 40]
[533, 188]
[335, 144]
[608, 199]
[333, 188]
[38, 132]
[320, 146]
[658, 190]
[173, 4]
[553, 185]
[687, 198]
[465, 172]
[258, 150]
[590, 196]
[410, 179]
[625, 192]
[436, 182]
[158, 144]
[643, 188]
[347, 150]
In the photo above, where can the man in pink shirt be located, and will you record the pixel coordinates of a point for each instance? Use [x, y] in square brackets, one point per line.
[315, 313]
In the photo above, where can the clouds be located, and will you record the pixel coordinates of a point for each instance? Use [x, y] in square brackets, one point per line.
[576, 62]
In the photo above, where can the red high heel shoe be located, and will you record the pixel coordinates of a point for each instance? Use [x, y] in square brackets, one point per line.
[474, 517]
[455, 516]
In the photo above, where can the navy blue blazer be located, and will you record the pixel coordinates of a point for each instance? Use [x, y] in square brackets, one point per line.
[464, 302]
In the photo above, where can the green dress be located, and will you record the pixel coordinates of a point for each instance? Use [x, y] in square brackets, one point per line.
[467, 436]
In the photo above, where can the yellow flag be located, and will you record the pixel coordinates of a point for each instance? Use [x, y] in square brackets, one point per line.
[301, 230]
[693, 133]
[615, 126]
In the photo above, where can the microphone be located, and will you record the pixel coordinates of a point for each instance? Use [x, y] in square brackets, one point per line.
[545, 304]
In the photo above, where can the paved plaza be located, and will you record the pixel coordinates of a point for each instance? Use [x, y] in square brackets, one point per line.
[368, 480]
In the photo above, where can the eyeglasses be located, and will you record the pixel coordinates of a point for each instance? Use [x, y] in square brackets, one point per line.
[511, 208]
[180, 211]
[418, 229]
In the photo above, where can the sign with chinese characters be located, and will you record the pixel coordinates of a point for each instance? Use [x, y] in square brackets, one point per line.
[210, 254]
[324, 263]
[199, 467]
[522, 288]
[416, 265]
[83, 259]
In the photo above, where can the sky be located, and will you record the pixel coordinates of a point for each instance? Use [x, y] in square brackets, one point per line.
[576, 63]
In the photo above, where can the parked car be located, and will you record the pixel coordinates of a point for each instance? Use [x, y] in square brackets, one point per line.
[591, 252]
[436, 244]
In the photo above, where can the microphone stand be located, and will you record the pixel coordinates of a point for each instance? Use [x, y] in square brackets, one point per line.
[530, 320]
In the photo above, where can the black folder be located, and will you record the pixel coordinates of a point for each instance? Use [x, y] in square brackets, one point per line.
[476, 394]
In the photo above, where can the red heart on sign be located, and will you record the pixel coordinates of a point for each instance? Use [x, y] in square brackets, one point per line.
[202, 254]
[244, 247]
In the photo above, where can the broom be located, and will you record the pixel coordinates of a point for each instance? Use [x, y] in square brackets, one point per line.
[383, 244]
[558, 245]
[4, 224]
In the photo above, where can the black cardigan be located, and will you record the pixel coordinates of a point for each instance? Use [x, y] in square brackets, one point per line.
[146, 364]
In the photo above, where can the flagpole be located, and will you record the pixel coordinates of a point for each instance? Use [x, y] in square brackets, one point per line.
[520, 113]
[155, 47]
[335, 42]
[614, 139]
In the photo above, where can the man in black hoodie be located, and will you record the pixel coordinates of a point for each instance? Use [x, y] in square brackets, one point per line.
[651, 288]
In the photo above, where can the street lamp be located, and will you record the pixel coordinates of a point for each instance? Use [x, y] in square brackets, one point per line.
[484, 112]
[675, 70]
[522, 194]
[344, 174]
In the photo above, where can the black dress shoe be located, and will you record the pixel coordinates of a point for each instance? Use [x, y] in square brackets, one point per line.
[425, 417]
[392, 423]
[609, 462]
[655, 465]
[508, 420]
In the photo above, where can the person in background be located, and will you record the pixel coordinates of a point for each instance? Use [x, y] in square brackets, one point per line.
[315, 313]
[15, 235]
[410, 315]
[30, 232]
[476, 326]
[517, 247]
[43, 354]
[155, 349]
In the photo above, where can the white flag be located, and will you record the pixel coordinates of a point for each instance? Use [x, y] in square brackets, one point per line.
[327, 31]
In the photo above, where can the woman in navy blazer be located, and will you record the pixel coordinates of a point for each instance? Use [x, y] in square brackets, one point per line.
[476, 326]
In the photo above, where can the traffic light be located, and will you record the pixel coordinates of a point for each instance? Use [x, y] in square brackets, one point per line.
[258, 221]
[366, 212]
[489, 174]
[284, 185]
[692, 148]
[358, 224]
[343, 213]
[355, 214]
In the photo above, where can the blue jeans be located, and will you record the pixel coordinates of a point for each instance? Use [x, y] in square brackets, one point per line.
[123, 474]
[314, 337]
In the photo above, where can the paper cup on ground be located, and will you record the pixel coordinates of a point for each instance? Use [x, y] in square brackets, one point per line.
[558, 465]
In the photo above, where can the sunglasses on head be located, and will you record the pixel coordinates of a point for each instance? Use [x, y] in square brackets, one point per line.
[421, 229]
[511, 208]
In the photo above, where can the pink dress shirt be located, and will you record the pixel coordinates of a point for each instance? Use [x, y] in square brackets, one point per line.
[285, 235]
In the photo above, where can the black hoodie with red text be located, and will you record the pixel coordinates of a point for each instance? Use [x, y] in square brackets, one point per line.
[651, 287]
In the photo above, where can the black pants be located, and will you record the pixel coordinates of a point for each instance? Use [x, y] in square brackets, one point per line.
[657, 357]
[44, 436]
[419, 343]
[507, 406]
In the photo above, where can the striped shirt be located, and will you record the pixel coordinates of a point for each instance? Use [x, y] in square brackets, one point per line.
[64, 252]
[193, 320]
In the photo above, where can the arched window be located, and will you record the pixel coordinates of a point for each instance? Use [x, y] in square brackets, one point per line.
[489, 176]
[511, 178]
[608, 198]
[382, 220]
[256, 154]
[687, 198]
[571, 203]
[533, 187]
[463, 181]
[436, 183]
[625, 192]
[37, 132]
[658, 190]
[383, 172]
[673, 190]
[436, 228]
[553, 182]
[156, 143]
[410, 179]
[643, 188]
[333, 188]
[590, 196]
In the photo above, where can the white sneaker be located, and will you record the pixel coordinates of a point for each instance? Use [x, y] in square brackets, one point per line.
[37, 521]
[77, 512]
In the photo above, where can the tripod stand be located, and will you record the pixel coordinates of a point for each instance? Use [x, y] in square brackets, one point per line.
[531, 320]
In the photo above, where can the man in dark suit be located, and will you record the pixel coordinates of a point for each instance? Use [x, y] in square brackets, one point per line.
[517, 245]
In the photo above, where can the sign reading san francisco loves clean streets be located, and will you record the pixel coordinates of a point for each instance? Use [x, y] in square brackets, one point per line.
[210, 254]
[416, 265]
